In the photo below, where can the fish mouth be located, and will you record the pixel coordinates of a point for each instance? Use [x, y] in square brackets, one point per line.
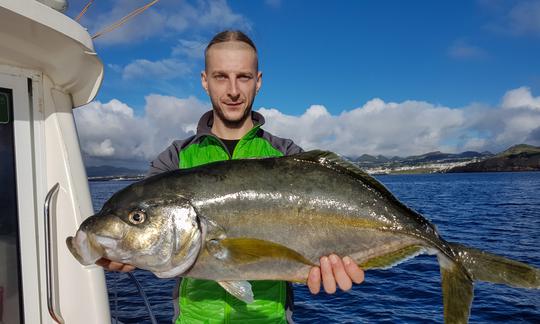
[84, 248]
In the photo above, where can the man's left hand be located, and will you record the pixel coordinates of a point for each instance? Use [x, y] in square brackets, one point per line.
[334, 271]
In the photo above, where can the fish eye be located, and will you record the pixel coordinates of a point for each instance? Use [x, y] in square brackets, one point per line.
[137, 217]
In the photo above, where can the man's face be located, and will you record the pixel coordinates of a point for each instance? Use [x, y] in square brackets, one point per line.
[231, 80]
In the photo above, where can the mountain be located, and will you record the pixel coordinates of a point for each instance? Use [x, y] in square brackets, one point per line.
[370, 161]
[111, 171]
[366, 160]
[520, 149]
[438, 156]
[520, 157]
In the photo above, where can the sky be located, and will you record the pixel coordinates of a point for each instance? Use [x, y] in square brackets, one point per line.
[355, 77]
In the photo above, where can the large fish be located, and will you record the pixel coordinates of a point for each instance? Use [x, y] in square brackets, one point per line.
[272, 219]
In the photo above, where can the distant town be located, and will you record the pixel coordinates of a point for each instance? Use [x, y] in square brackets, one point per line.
[520, 157]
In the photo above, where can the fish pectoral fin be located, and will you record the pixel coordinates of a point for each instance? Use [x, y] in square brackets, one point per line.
[248, 250]
[239, 289]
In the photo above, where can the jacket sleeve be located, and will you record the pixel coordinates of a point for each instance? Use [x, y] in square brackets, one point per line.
[284, 145]
[167, 160]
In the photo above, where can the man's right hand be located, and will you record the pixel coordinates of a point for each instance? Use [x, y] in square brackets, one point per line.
[114, 266]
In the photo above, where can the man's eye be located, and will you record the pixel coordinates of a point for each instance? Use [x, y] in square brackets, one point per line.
[220, 77]
[244, 78]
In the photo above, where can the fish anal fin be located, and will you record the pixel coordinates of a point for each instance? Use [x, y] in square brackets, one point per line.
[457, 289]
[248, 250]
[239, 289]
[393, 258]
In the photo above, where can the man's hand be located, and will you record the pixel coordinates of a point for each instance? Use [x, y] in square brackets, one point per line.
[334, 270]
[114, 266]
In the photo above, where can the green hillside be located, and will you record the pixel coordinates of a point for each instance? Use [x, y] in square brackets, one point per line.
[520, 157]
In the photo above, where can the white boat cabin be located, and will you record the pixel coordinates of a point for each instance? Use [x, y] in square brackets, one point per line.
[47, 67]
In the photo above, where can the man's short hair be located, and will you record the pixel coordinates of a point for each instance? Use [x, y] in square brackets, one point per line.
[229, 36]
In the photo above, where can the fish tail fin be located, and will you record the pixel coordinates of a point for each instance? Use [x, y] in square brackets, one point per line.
[471, 264]
[457, 290]
[489, 267]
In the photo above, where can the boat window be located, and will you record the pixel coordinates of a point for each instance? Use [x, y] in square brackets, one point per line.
[4, 108]
[10, 283]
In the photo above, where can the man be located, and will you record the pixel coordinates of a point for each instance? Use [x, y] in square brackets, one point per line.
[232, 131]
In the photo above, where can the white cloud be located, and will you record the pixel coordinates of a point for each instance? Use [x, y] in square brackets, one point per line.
[462, 50]
[520, 98]
[163, 69]
[172, 19]
[149, 23]
[273, 3]
[414, 127]
[411, 127]
[506, 127]
[115, 67]
[190, 48]
[100, 149]
[172, 118]
[112, 130]
[109, 130]
[516, 18]
[475, 144]
[183, 57]
[524, 17]
[217, 14]
[167, 17]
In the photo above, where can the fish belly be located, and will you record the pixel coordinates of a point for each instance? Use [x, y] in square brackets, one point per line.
[296, 243]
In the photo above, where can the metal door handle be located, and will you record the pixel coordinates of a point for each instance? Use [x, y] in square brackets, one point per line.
[52, 302]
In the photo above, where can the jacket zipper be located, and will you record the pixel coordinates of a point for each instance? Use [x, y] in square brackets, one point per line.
[242, 139]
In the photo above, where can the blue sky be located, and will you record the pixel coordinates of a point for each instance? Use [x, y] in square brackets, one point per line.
[383, 77]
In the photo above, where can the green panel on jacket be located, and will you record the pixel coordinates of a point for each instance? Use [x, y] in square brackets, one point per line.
[204, 301]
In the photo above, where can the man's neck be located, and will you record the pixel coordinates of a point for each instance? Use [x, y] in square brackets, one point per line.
[231, 131]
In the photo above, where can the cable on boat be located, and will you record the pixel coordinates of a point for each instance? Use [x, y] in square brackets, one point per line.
[83, 11]
[143, 295]
[108, 29]
[116, 275]
[124, 19]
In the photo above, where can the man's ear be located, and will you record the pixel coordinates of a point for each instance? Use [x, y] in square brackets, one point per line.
[204, 81]
[259, 81]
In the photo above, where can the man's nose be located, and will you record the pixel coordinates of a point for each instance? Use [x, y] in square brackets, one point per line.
[233, 88]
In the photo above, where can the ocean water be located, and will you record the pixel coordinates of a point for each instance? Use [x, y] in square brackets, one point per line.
[497, 212]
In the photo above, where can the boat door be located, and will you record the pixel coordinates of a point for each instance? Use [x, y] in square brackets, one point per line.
[40, 159]
[48, 66]
[18, 257]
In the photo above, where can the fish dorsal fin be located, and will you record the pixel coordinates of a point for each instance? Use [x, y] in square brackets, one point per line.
[333, 161]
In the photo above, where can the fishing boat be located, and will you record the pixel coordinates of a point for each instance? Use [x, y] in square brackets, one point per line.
[48, 67]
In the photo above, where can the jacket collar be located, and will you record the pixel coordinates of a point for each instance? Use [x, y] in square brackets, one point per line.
[207, 120]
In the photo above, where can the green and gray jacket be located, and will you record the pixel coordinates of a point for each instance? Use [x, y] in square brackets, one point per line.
[202, 301]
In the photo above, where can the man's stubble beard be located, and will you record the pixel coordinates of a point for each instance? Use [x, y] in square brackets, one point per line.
[237, 123]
